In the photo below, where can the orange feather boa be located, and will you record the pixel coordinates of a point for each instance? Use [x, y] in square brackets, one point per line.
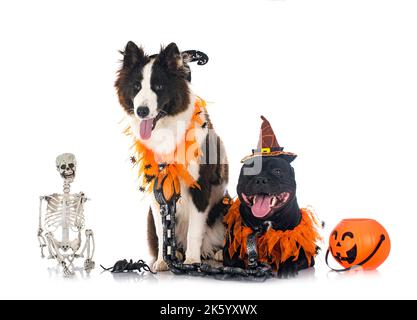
[274, 246]
[187, 151]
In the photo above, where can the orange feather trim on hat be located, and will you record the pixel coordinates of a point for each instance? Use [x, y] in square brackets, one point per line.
[177, 162]
[274, 246]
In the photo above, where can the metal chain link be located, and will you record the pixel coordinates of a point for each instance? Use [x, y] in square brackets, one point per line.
[256, 271]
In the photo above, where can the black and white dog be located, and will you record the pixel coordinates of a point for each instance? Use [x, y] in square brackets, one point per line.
[149, 86]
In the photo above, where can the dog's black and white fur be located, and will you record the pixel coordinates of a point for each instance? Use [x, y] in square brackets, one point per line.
[148, 86]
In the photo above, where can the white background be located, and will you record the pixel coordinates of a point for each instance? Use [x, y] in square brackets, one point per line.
[337, 80]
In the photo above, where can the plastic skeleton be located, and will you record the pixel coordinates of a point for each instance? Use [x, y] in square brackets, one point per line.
[65, 214]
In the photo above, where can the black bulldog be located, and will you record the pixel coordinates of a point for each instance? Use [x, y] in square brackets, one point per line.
[267, 205]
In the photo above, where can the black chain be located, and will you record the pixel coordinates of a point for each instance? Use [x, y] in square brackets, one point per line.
[255, 271]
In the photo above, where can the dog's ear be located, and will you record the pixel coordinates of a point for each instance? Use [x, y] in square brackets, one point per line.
[288, 157]
[132, 55]
[172, 59]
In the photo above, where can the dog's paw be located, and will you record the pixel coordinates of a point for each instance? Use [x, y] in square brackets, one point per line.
[218, 256]
[160, 265]
[287, 270]
[179, 256]
[192, 261]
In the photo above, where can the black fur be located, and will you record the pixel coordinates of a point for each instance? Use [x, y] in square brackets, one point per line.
[279, 176]
[130, 75]
[169, 73]
[168, 80]
[290, 268]
[212, 172]
[201, 195]
[210, 175]
[219, 210]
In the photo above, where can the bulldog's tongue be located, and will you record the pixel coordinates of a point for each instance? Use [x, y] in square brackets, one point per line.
[261, 206]
[146, 128]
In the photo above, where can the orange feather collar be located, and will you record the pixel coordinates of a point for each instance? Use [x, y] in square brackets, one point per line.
[175, 172]
[274, 246]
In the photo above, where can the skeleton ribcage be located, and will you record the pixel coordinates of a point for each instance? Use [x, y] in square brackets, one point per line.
[64, 211]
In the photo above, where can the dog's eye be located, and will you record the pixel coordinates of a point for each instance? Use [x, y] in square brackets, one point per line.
[137, 86]
[158, 87]
[277, 172]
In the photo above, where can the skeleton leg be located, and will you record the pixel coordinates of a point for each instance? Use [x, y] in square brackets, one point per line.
[54, 252]
[90, 247]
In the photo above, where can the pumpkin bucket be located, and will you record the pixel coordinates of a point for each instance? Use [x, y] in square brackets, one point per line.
[358, 243]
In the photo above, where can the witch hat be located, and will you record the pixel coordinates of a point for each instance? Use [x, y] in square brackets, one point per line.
[268, 145]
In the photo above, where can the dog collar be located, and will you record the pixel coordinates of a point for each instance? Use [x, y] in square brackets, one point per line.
[273, 246]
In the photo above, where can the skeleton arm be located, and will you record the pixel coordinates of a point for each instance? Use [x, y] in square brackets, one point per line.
[41, 239]
[90, 247]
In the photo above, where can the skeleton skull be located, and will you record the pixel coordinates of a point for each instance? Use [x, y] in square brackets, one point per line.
[66, 164]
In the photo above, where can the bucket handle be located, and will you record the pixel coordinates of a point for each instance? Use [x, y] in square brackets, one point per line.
[381, 240]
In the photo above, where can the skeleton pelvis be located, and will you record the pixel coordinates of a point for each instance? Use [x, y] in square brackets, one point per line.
[74, 245]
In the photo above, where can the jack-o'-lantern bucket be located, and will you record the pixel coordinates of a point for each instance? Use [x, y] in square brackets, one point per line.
[359, 243]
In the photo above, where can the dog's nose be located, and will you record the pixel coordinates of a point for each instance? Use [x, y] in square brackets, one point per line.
[261, 180]
[142, 111]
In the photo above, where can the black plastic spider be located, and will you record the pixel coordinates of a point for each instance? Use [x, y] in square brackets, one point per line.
[149, 178]
[123, 265]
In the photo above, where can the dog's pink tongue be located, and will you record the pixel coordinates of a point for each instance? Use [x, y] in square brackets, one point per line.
[261, 206]
[146, 128]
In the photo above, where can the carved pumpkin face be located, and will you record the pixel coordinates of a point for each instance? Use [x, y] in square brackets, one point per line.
[353, 241]
[345, 248]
